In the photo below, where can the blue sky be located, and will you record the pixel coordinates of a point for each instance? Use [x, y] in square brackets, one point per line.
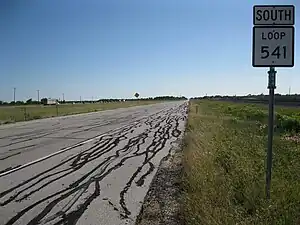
[114, 48]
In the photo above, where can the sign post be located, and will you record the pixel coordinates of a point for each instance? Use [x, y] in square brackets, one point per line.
[271, 87]
[273, 46]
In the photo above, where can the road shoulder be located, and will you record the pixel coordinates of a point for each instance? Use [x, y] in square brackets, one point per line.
[162, 202]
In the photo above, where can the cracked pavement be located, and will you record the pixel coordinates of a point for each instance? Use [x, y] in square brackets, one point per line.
[85, 169]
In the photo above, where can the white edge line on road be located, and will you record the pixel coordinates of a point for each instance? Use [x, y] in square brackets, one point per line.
[58, 152]
[47, 156]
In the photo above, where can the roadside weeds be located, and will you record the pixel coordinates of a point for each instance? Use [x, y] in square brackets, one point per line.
[224, 171]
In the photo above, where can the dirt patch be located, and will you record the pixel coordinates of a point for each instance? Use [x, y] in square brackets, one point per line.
[162, 202]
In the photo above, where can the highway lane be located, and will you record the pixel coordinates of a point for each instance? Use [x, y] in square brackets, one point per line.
[85, 169]
[24, 142]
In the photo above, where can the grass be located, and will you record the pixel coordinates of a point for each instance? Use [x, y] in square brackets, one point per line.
[11, 114]
[224, 167]
[286, 119]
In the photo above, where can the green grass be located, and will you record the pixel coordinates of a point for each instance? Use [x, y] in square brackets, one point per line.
[224, 167]
[11, 114]
[286, 119]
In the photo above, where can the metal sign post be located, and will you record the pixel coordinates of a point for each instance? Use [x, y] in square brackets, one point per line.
[271, 87]
[273, 46]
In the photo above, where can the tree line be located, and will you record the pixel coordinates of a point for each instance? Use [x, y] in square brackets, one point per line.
[284, 99]
[43, 100]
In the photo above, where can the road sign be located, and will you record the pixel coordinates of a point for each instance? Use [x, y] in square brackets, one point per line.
[273, 15]
[273, 46]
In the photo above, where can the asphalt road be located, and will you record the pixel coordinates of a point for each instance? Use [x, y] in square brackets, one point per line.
[85, 169]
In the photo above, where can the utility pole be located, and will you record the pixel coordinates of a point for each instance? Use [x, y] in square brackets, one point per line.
[80, 99]
[38, 94]
[63, 97]
[14, 95]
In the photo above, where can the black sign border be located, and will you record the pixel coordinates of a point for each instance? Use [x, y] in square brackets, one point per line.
[274, 6]
[293, 46]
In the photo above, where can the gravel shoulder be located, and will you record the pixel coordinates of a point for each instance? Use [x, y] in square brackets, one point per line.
[162, 202]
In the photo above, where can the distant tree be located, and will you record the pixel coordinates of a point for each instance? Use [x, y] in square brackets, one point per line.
[29, 101]
[169, 98]
[19, 103]
[44, 101]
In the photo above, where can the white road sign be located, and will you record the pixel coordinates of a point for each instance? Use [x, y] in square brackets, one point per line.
[273, 46]
[273, 15]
